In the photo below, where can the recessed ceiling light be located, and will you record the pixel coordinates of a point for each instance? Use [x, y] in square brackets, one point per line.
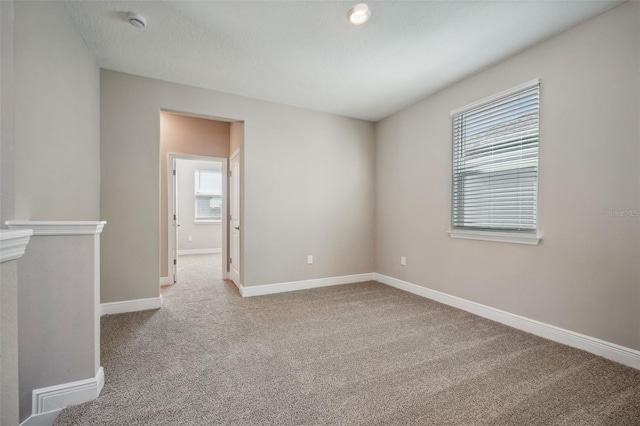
[136, 20]
[359, 14]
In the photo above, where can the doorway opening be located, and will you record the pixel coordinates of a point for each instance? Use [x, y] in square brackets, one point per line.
[195, 202]
[198, 208]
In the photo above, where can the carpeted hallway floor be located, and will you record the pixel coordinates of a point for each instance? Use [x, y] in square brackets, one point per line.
[353, 354]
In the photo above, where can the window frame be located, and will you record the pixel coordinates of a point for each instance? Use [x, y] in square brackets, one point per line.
[531, 237]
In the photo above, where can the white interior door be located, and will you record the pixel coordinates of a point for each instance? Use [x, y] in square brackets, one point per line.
[234, 218]
[176, 224]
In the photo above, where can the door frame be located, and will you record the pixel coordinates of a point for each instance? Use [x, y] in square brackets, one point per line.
[171, 243]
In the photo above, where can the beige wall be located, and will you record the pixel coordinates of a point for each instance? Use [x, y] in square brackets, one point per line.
[203, 235]
[7, 145]
[185, 135]
[9, 402]
[57, 117]
[57, 177]
[58, 318]
[308, 186]
[585, 275]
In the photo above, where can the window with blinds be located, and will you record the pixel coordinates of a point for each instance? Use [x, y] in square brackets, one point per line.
[208, 195]
[495, 163]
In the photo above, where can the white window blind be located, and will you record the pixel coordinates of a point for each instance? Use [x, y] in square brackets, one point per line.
[208, 207]
[495, 164]
[208, 195]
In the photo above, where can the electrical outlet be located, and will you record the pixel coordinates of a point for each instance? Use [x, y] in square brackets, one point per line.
[190, 238]
[403, 260]
[309, 260]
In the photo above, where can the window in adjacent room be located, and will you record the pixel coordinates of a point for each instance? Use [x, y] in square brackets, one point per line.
[495, 167]
[208, 195]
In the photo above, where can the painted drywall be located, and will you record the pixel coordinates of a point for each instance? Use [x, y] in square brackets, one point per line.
[7, 145]
[58, 333]
[9, 343]
[57, 117]
[585, 275]
[292, 206]
[185, 135]
[204, 236]
[57, 177]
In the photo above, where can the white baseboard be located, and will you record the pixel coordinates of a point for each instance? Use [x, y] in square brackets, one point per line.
[44, 419]
[166, 281]
[48, 402]
[130, 306]
[199, 251]
[259, 290]
[623, 355]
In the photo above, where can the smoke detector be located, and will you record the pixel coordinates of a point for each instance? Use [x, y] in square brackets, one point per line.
[136, 20]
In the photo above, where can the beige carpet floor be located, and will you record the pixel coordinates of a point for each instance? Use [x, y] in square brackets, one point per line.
[362, 354]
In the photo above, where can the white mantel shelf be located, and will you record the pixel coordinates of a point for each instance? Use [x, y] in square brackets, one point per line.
[58, 227]
[13, 243]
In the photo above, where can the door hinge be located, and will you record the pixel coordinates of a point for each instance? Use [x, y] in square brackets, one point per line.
[229, 173]
[174, 172]
[174, 217]
[230, 260]
[174, 261]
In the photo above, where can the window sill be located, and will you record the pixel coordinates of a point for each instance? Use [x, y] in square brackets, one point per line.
[206, 221]
[500, 237]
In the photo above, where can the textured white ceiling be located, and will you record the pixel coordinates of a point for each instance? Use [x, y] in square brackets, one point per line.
[307, 54]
